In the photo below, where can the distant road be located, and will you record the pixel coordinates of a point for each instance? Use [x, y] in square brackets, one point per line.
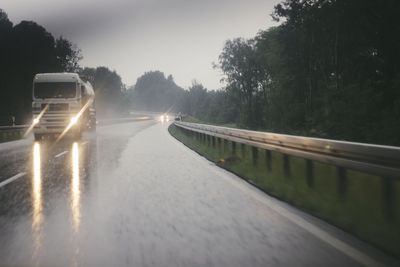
[131, 195]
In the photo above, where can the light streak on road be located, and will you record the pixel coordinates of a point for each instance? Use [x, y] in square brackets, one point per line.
[75, 199]
[37, 214]
[75, 188]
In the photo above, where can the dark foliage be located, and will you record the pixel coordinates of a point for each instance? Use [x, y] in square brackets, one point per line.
[26, 49]
[154, 92]
[110, 92]
[331, 69]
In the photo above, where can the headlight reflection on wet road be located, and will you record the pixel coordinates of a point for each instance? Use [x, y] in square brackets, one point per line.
[37, 215]
[75, 187]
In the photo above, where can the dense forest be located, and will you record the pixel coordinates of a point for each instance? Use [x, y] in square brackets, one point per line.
[26, 49]
[154, 91]
[331, 69]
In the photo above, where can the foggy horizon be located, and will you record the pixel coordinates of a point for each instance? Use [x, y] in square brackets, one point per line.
[134, 37]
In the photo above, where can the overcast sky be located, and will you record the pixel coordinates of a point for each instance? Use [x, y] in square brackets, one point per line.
[178, 37]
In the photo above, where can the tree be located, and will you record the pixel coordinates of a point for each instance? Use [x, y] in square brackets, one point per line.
[154, 92]
[26, 49]
[239, 63]
[331, 69]
[68, 55]
[31, 50]
[110, 91]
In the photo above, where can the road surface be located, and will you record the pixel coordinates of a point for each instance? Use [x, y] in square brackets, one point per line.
[131, 195]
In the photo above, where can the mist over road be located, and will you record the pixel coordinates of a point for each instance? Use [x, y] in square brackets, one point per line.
[131, 195]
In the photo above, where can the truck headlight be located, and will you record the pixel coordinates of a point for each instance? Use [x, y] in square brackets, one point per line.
[74, 120]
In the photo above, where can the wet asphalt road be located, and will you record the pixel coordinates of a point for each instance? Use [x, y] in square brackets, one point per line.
[131, 195]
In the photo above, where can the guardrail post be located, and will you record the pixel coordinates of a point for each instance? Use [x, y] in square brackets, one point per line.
[225, 146]
[233, 148]
[342, 182]
[254, 152]
[388, 197]
[243, 150]
[268, 159]
[213, 141]
[310, 173]
[286, 165]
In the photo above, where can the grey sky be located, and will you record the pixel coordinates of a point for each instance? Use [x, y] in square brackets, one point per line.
[178, 37]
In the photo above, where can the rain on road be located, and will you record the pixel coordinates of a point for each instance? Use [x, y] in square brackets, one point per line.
[131, 195]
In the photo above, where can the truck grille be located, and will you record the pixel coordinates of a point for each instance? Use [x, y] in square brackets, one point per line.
[56, 107]
[56, 120]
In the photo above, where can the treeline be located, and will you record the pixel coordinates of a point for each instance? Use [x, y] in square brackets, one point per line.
[331, 69]
[154, 91]
[111, 96]
[26, 49]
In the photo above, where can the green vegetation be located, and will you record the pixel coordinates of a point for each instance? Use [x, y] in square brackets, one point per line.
[358, 207]
[331, 69]
[155, 92]
[110, 92]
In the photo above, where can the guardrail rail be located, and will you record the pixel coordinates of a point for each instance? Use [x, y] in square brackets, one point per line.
[374, 159]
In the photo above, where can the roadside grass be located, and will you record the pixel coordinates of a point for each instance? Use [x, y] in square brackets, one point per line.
[354, 202]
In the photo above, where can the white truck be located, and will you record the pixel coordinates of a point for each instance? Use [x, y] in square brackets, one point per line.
[63, 104]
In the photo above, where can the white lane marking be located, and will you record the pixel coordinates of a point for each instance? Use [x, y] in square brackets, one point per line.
[343, 247]
[62, 153]
[11, 179]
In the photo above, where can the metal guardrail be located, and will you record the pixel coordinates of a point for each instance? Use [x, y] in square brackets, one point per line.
[374, 159]
[101, 122]
[15, 127]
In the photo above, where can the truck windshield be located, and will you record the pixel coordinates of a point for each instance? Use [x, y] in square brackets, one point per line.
[54, 90]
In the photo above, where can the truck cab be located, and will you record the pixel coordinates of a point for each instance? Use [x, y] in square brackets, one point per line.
[63, 104]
